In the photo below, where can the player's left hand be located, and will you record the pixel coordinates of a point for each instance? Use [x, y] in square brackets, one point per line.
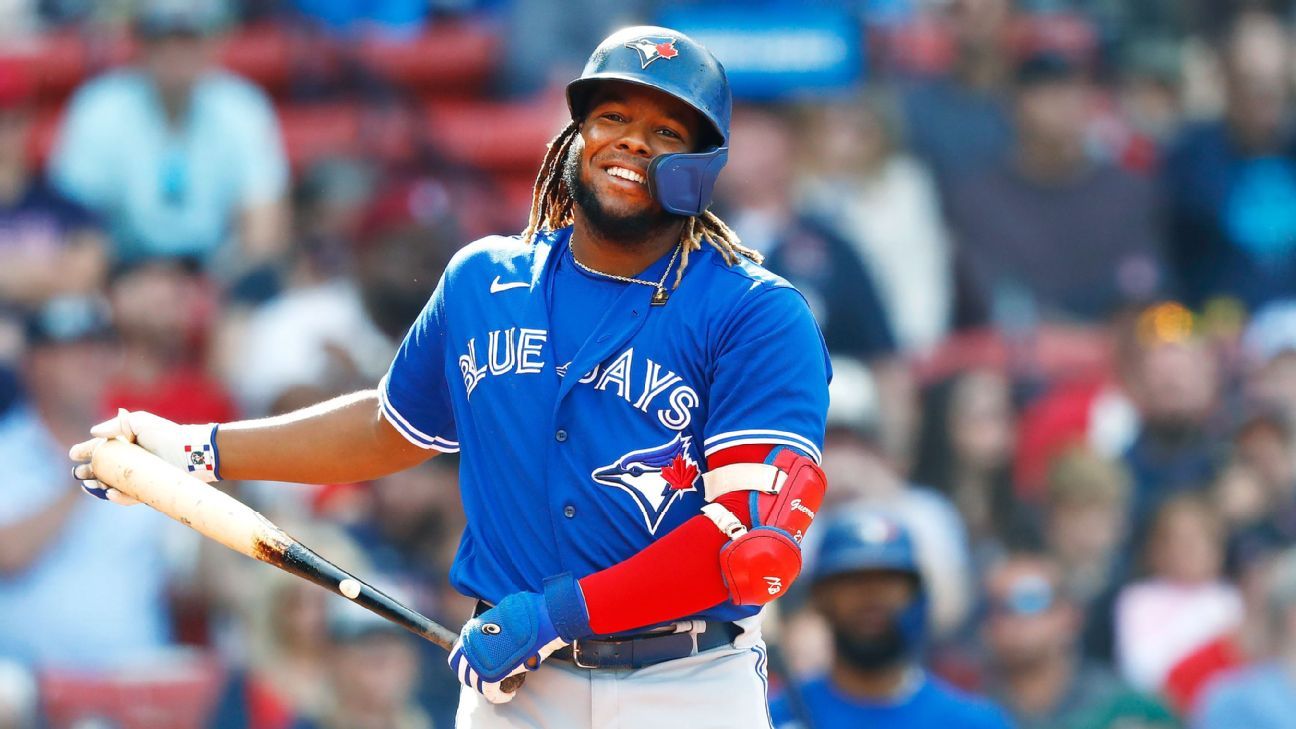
[517, 635]
[190, 448]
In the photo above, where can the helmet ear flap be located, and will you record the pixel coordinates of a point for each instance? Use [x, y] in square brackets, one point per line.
[682, 183]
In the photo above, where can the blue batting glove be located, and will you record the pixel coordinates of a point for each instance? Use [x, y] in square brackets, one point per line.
[519, 633]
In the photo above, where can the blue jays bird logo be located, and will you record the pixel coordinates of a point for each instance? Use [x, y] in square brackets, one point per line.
[650, 49]
[654, 477]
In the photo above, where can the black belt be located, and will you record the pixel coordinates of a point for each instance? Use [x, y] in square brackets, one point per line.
[639, 650]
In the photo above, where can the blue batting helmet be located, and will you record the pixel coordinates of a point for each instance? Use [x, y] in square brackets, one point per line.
[861, 540]
[673, 63]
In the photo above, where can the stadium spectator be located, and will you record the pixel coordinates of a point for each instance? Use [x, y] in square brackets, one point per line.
[1085, 528]
[1261, 696]
[408, 528]
[862, 474]
[965, 451]
[182, 160]
[1192, 677]
[51, 246]
[1269, 346]
[1149, 105]
[960, 122]
[885, 203]
[1036, 671]
[330, 199]
[162, 313]
[1174, 382]
[1240, 495]
[339, 333]
[867, 584]
[1016, 221]
[371, 673]
[1231, 182]
[64, 557]
[1183, 603]
[756, 193]
[1264, 449]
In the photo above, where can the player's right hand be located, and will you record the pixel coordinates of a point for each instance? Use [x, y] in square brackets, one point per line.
[191, 448]
[514, 636]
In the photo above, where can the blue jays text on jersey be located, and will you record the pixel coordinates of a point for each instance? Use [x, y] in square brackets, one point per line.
[584, 419]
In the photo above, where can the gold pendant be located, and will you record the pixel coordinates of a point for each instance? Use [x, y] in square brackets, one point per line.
[659, 297]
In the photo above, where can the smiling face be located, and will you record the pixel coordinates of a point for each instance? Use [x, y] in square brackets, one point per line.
[625, 126]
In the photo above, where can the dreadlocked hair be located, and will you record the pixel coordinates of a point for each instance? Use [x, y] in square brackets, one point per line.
[551, 209]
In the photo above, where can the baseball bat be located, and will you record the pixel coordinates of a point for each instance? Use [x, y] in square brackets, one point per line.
[216, 515]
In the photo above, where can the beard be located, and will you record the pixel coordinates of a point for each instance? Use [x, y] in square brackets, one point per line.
[627, 229]
[872, 652]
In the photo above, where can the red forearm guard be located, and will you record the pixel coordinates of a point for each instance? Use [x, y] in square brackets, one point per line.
[681, 573]
[675, 576]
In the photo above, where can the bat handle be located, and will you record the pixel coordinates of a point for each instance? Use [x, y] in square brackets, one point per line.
[290, 555]
[377, 602]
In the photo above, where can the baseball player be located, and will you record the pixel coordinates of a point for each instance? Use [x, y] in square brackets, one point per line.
[866, 583]
[639, 409]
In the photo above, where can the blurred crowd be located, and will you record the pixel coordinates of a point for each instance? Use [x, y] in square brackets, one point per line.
[1051, 245]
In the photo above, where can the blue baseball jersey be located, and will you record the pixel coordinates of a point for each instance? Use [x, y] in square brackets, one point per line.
[582, 414]
[934, 705]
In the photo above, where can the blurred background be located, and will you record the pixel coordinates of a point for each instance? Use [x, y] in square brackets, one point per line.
[1051, 245]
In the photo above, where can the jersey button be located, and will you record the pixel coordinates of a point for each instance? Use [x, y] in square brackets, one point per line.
[569, 511]
[561, 435]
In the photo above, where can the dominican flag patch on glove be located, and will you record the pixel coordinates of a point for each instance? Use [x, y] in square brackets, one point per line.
[199, 459]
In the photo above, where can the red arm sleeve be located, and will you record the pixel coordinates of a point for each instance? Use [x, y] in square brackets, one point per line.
[674, 576]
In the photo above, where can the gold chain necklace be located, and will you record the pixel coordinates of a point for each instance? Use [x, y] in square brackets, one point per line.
[659, 297]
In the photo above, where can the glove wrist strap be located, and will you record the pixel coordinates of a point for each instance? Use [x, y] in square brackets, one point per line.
[566, 605]
[198, 451]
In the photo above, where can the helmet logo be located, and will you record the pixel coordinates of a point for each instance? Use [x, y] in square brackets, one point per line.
[650, 49]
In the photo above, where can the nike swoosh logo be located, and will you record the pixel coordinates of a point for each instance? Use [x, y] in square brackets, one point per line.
[497, 287]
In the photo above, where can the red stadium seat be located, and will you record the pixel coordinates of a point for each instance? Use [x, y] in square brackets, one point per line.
[1053, 352]
[314, 131]
[262, 54]
[176, 695]
[497, 136]
[43, 134]
[1067, 34]
[449, 57]
[57, 62]
[923, 46]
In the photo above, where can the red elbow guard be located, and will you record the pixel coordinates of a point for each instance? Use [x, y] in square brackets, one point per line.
[760, 564]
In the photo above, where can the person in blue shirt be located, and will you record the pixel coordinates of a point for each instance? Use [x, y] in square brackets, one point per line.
[1230, 182]
[866, 583]
[179, 158]
[639, 409]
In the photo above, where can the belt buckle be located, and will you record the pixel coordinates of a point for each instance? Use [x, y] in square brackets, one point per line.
[576, 656]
